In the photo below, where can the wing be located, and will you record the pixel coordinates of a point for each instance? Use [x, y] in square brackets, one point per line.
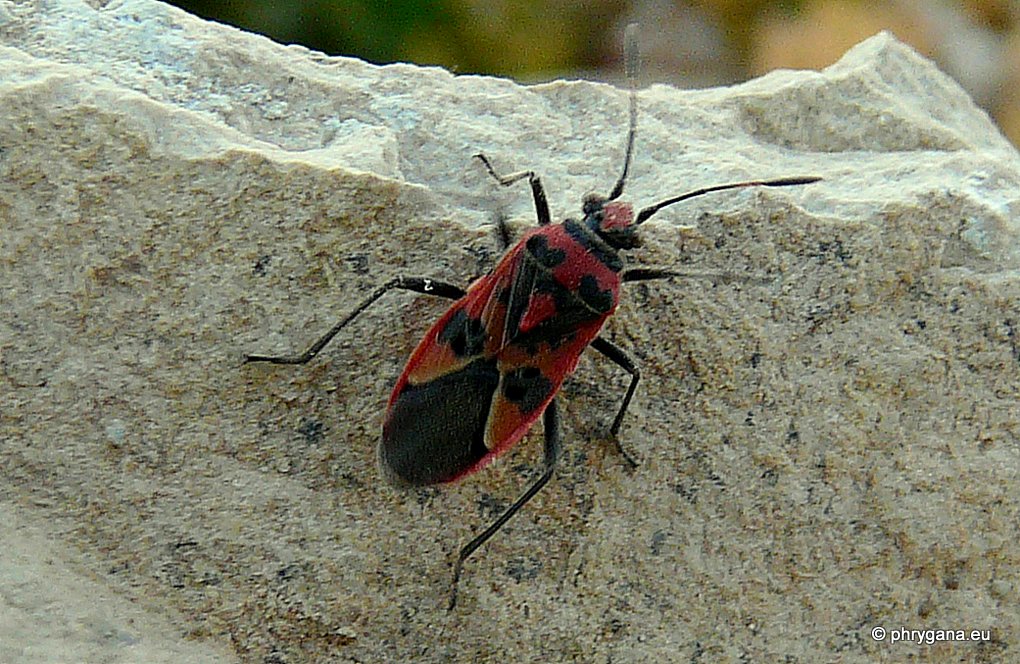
[436, 421]
[461, 336]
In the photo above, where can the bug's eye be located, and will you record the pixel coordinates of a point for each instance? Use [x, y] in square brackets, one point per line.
[592, 204]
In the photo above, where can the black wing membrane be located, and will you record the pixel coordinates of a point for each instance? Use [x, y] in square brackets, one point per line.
[436, 431]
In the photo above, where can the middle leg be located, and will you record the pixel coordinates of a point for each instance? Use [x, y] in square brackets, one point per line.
[624, 361]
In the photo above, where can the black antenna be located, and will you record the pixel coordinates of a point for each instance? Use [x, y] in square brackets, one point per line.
[643, 215]
[632, 60]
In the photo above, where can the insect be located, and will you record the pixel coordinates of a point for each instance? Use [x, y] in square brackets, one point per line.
[491, 366]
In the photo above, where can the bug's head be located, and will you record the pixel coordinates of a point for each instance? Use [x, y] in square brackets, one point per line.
[613, 221]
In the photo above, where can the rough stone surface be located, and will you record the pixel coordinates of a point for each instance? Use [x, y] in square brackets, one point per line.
[829, 451]
[53, 610]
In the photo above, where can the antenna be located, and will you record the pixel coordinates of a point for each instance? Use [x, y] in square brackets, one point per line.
[643, 215]
[632, 61]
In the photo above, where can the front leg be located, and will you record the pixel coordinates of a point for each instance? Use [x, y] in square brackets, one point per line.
[537, 191]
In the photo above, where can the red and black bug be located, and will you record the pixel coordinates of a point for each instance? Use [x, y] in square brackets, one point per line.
[491, 366]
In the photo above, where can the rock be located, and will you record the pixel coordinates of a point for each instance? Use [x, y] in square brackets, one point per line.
[54, 612]
[826, 447]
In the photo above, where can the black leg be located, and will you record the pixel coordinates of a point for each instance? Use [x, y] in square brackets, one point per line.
[652, 273]
[552, 452]
[416, 284]
[537, 192]
[620, 357]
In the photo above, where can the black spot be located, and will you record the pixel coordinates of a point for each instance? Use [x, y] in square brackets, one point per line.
[311, 430]
[659, 538]
[260, 265]
[538, 246]
[527, 387]
[357, 262]
[834, 249]
[599, 300]
[424, 496]
[523, 569]
[464, 335]
[489, 506]
[288, 572]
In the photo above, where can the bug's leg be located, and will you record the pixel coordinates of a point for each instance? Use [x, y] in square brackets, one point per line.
[652, 273]
[620, 357]
[647, 274]
[537, 191]
[551, 422]
[416, 284]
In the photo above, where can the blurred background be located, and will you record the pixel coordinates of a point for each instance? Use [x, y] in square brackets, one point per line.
[688, 43]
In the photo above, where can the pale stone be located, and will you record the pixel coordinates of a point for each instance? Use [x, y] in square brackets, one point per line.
[829, 451]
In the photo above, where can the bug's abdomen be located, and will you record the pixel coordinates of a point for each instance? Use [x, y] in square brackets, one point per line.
[435, 431]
